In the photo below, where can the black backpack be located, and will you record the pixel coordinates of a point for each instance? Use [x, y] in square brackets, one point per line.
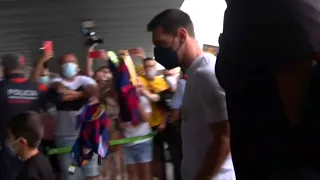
[308, 131]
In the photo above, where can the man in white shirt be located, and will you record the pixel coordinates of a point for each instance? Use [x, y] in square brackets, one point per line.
[77, 90]
[205, 125]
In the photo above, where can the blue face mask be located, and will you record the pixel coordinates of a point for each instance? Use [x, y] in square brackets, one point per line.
[166, 57]
[44, 79]
[12, 150]
[69, 70]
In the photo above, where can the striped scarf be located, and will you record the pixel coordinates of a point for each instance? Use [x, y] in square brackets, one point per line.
[127, 96]
[94, 135]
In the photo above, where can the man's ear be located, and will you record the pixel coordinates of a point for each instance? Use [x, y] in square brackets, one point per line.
[182, 34]
[23, 141]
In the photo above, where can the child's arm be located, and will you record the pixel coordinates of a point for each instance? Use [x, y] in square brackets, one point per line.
[144, 115]
[145, 109]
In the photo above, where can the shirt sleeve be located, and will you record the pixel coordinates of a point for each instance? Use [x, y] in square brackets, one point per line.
[213, 97]
[177, 98]
[55, 80]
[145, 104]
[49, 96]
[85, 81]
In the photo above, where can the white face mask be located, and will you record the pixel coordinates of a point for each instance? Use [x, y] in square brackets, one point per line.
[12, 150]
[171, 81]
[151, 73]
[69, 70]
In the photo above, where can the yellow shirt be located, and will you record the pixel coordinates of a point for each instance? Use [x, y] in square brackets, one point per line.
[156, 86]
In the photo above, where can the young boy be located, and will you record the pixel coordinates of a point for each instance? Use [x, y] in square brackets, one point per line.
[25, 132]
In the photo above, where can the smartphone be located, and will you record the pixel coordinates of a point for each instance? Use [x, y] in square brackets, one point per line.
[48, 46]
[94, 54]
[22, 60]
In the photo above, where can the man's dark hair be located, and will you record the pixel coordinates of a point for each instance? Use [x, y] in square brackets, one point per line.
[61, 58]
[13, 62]
[170, 20]
[27, 125]
[101, 68]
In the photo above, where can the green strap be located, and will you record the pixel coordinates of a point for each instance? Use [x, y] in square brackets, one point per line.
[129, 140]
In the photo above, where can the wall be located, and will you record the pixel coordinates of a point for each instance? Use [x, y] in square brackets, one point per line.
[24, 24]
[207, 17]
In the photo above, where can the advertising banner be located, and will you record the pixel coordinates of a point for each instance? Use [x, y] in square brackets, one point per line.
[211, 49]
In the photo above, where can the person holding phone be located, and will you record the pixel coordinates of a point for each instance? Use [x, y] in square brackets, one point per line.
[101, 55]
[40, 72]
[18, 94]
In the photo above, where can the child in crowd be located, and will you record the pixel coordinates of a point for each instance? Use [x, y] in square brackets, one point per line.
[138, 155]
[25, 132]
[112, 166]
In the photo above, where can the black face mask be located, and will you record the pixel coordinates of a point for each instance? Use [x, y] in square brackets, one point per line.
[166, 57]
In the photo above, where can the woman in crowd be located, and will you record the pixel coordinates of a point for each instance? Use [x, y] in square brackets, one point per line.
[41, 74]
[153, 86]
[138, 155]
[113, 166]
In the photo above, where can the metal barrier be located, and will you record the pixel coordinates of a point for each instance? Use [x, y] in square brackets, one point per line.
[113, 166]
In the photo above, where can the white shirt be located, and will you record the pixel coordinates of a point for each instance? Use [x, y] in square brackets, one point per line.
[203, 104]
[65, 121]
[76, 83]
[141, 129]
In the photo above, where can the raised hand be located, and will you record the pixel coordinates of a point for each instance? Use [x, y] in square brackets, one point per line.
[104, 55]
[91, 48]
[137, 52]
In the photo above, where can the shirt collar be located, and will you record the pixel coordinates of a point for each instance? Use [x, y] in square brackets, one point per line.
[194, 65]
[15, 75]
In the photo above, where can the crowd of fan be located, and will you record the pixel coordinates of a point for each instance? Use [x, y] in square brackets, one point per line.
[62, 97]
